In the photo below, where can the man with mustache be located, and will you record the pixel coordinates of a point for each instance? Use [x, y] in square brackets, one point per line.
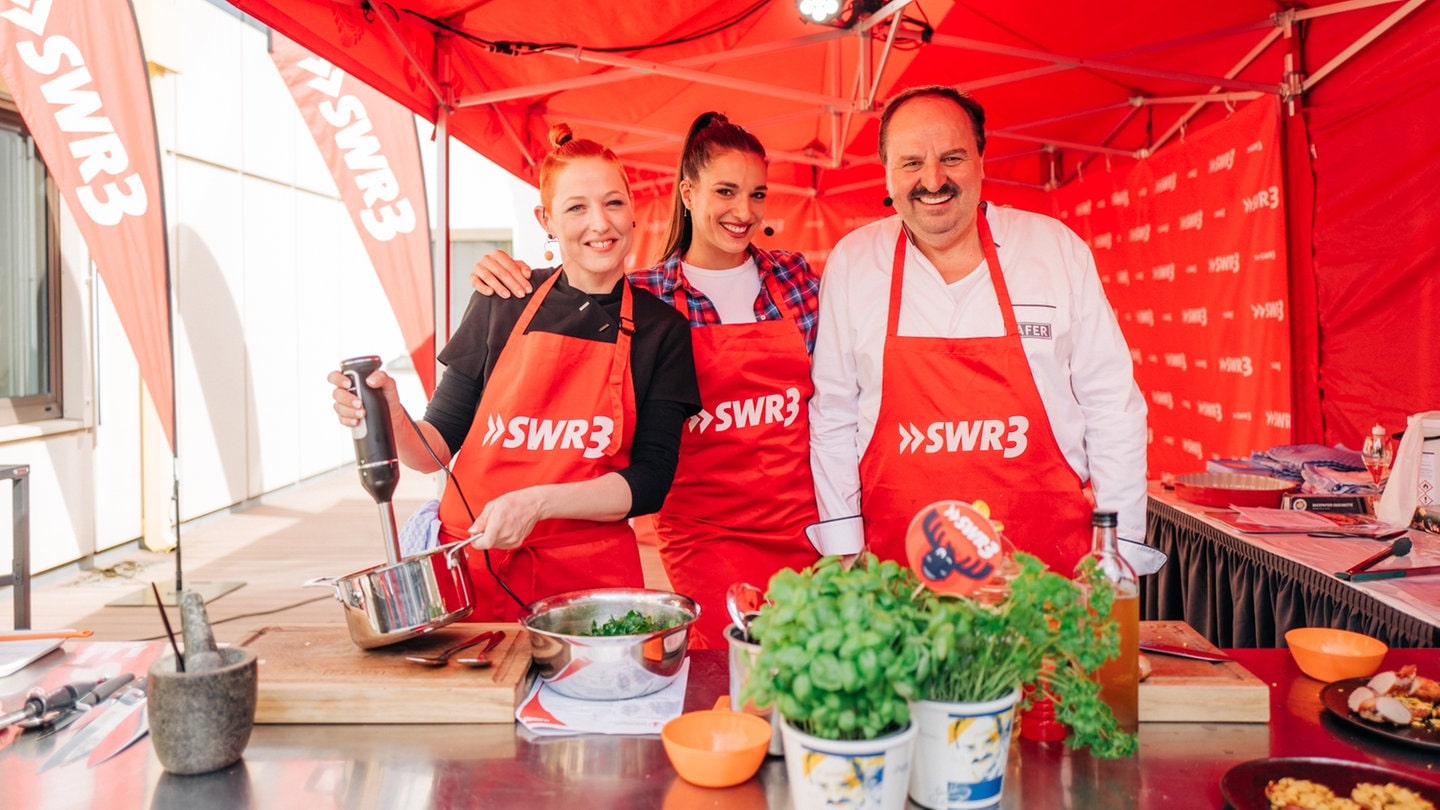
[967, 351]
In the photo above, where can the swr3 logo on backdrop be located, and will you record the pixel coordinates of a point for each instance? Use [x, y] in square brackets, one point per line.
[591, 435]
[980, 435]
[738, 414]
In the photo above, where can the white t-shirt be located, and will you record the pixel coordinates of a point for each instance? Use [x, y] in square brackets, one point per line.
[1079, 359]
[733, 291]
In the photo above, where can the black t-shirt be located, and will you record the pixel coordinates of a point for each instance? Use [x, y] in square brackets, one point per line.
[662, 367]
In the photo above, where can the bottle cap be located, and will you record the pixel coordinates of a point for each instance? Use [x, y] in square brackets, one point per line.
[1104, 519]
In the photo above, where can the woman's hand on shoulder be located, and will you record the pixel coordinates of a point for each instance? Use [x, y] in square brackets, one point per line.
[506, 521]
[347, 402]
[497, 273]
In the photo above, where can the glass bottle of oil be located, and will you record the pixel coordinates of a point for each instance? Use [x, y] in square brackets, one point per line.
[1120, 676]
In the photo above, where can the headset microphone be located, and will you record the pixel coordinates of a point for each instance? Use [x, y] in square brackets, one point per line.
[768, 231]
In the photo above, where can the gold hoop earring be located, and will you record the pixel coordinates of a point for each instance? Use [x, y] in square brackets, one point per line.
[550, 252]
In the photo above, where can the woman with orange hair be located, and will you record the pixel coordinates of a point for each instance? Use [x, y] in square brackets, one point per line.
[565, 408]
[743, 492]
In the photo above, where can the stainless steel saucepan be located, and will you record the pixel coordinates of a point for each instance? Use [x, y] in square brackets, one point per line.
[391, 603]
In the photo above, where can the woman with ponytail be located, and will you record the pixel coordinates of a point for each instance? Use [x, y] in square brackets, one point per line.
[743, 491]
[565, 408]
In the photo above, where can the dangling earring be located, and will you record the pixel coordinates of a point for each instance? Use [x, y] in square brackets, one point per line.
[550, 252]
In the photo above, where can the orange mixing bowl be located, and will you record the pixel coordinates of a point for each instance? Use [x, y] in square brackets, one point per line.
[1328, 655]
[716, 747]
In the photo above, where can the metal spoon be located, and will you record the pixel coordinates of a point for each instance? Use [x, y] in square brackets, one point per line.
[439, 659]
[744, 601]
[479, 660]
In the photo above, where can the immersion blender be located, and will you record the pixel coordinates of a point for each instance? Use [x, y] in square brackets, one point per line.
[375, 448]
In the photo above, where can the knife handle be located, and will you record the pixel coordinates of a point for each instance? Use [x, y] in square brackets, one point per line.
[1367, 575]
[106, 688]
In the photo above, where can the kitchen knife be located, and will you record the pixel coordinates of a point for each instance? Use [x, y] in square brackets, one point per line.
[86, 704]
[1392, 573]
[134, 725]
[1183, 652]
[96, 725]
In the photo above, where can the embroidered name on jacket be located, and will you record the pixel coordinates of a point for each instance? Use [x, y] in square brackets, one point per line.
[591, 435]
[1034, 330]
[737, 414]
[981, 435]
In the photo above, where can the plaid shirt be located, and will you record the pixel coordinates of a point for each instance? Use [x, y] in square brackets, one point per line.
[782, 272]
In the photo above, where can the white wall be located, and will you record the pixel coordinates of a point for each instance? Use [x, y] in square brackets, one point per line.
[272, 288]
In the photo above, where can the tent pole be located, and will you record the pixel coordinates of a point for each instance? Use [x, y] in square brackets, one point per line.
[442, 214]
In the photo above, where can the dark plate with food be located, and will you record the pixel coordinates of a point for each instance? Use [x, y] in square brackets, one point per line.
[1336, 697]
[1306, 782]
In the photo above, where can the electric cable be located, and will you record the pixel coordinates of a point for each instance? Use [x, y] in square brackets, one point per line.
[465, 502]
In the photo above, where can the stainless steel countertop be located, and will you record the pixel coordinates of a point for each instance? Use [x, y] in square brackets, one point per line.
[503, 766]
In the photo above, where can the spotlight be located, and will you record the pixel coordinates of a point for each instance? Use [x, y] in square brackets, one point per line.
[818, 11]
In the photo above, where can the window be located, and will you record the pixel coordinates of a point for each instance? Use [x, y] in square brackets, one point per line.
[29, 280]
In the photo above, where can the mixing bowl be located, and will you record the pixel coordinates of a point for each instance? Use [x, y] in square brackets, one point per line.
[716, 747]
[608, 667]
[1327, 654]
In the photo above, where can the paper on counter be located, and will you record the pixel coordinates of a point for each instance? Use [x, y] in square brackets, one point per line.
[16, 655]
[1297, 519]
[545, 711]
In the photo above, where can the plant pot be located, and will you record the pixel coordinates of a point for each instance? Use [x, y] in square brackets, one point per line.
[960, 752]
[742, 662]
[851, 773]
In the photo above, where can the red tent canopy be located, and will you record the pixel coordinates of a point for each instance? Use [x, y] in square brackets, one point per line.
[1063, 83]
[1066, 87]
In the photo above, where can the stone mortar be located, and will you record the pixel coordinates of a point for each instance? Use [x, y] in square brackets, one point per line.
[201, 721]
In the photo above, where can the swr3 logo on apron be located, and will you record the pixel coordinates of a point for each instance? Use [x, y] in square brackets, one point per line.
[979, 435]
[768, 409]
[534, 433]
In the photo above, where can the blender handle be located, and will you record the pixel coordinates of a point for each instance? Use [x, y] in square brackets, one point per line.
[375, 456]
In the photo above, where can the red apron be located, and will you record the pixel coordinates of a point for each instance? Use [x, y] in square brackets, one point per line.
[962, 419]
[743, 492]
[555, 410]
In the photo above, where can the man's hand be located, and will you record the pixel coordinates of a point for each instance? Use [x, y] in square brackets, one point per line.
[498, 274]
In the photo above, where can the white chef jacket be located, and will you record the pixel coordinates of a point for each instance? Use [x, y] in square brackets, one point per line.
[1077, 355]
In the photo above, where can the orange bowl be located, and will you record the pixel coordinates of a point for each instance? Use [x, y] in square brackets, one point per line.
[716, 747]
[1328, 655]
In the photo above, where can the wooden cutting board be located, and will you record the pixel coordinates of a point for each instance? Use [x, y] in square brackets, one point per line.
[314, 673]
[1183, 690]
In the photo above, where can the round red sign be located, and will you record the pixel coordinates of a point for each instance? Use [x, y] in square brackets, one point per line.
[954, 547]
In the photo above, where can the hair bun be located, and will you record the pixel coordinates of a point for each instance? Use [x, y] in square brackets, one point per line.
[560, 135]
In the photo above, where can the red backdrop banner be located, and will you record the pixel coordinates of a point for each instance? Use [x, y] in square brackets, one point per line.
[370, 145]
[78, 76]
[1191, 248]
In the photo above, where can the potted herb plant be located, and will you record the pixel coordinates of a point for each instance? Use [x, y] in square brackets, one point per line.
[843, 649]
[1044, 628]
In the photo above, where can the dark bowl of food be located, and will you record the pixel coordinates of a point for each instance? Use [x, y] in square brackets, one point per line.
[609, 643]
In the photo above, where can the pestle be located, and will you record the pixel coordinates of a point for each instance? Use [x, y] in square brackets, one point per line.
[201, 653]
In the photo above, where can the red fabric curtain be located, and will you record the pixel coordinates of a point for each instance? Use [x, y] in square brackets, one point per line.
[79, 78]
[1190, 245]
[1376, 266]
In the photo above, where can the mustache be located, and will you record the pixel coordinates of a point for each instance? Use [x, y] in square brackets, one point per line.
[948, 188]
